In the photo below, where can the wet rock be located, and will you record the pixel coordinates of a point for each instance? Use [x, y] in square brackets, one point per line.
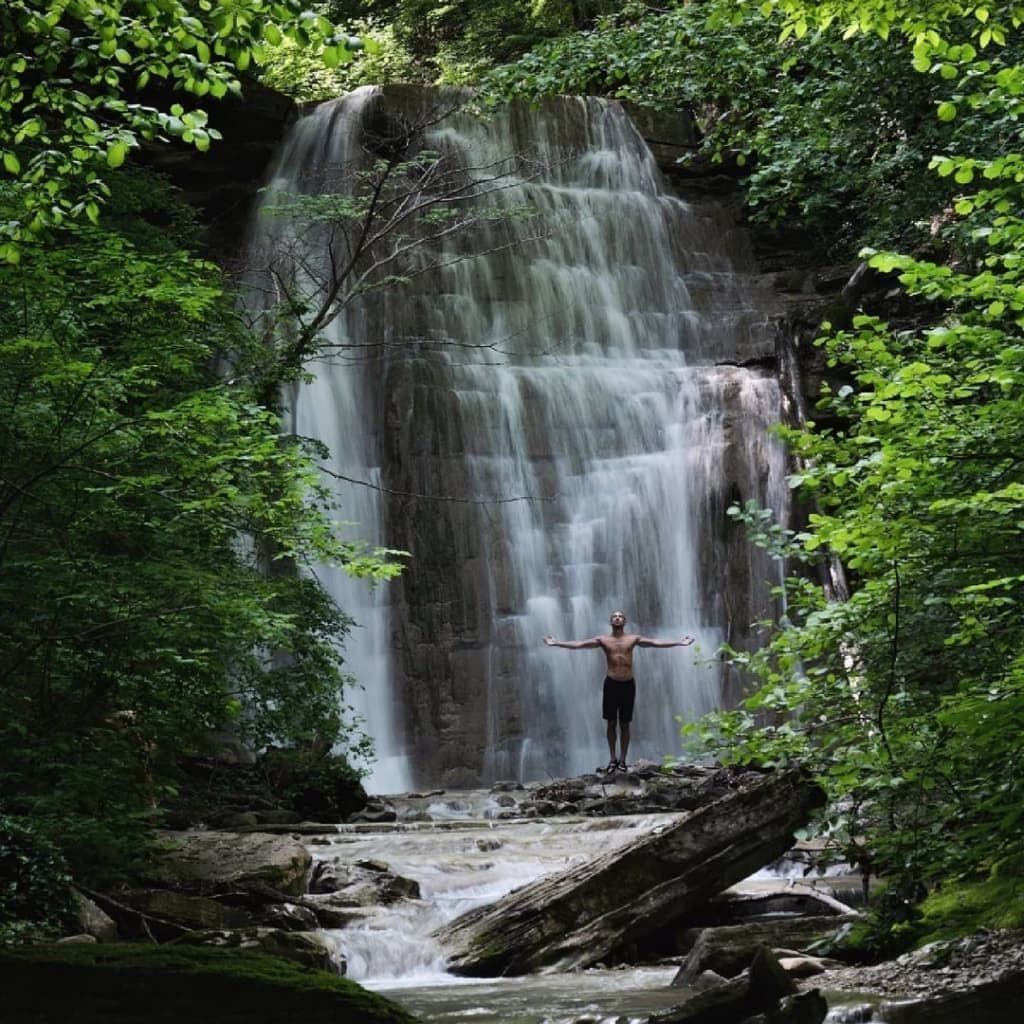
[805, 1008]
[288, 917]
[334, 913]
[706, 980]
[728, 950]
[361, 885]
[544, 808]
[375, 812]
[191, 912]
[205, 863]
[646, 788]
[94, 921]
[309, 949]
[758, 990]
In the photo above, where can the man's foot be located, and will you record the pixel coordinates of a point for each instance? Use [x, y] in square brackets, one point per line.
[610, 768]
[621, 766]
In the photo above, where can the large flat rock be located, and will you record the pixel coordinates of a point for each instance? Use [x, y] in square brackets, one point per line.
[205, 863]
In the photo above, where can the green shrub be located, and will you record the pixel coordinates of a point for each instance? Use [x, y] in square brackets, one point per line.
[35, 887]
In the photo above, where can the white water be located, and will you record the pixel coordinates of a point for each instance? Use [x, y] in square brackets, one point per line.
[578, 369]
[459, 865]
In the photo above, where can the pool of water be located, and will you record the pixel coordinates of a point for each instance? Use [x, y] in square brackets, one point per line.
[599, 995]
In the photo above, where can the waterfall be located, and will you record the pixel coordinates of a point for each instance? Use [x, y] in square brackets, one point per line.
[550, 411]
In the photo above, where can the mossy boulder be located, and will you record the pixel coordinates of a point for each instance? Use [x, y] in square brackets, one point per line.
[135, 984]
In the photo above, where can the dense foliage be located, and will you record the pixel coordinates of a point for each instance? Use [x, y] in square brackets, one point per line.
[35, 886]
[831, 134]
[84, 82]
[151, 515]
[158, 532]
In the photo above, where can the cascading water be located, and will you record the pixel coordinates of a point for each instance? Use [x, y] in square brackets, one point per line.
[560, 404]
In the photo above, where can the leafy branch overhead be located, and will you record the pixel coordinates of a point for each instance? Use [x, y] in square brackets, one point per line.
[84, 82]
[367, 225]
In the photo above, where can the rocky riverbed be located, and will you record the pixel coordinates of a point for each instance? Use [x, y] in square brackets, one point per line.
[938, 969]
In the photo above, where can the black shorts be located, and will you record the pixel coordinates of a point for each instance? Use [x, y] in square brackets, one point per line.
[618, 701]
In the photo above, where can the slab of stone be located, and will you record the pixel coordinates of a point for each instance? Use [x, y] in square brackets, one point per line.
[206, 863]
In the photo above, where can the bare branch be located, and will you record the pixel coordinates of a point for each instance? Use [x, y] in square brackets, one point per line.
[435, 497]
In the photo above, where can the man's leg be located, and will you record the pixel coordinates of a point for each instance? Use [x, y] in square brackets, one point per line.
[624, 744]
[611, 739]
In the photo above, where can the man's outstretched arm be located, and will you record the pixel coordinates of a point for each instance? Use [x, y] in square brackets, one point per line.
[645, 641]
[573, 645]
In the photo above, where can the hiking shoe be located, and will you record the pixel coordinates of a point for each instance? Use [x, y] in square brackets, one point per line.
[621, 766]
[610, 768]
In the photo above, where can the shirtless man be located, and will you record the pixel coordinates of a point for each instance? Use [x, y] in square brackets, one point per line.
[619, 684]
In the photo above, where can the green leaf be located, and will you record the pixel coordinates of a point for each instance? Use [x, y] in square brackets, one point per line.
[116, 153]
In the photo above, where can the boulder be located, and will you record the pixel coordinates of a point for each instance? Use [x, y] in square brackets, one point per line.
[757, 990]
[206, 863]
[119, 983]
[310, 949]
[728, 950]
[363, 884]
[93, 921]
[189, 911]
[287, 917]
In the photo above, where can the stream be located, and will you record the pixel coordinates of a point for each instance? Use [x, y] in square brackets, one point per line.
[463, 855]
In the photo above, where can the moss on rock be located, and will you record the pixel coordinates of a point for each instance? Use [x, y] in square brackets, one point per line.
[964, 907]
[129, 983]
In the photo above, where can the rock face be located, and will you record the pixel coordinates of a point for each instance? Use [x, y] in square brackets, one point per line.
[584, 915]
[535, 490]
[203, 863]
[222, 182]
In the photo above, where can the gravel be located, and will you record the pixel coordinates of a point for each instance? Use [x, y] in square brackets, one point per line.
[938, 968]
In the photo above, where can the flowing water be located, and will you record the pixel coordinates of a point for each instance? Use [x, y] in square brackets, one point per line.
[578, 385]
[462, 860]
[463, 856]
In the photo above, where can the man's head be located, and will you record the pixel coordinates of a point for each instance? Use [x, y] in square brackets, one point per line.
[617, 620]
